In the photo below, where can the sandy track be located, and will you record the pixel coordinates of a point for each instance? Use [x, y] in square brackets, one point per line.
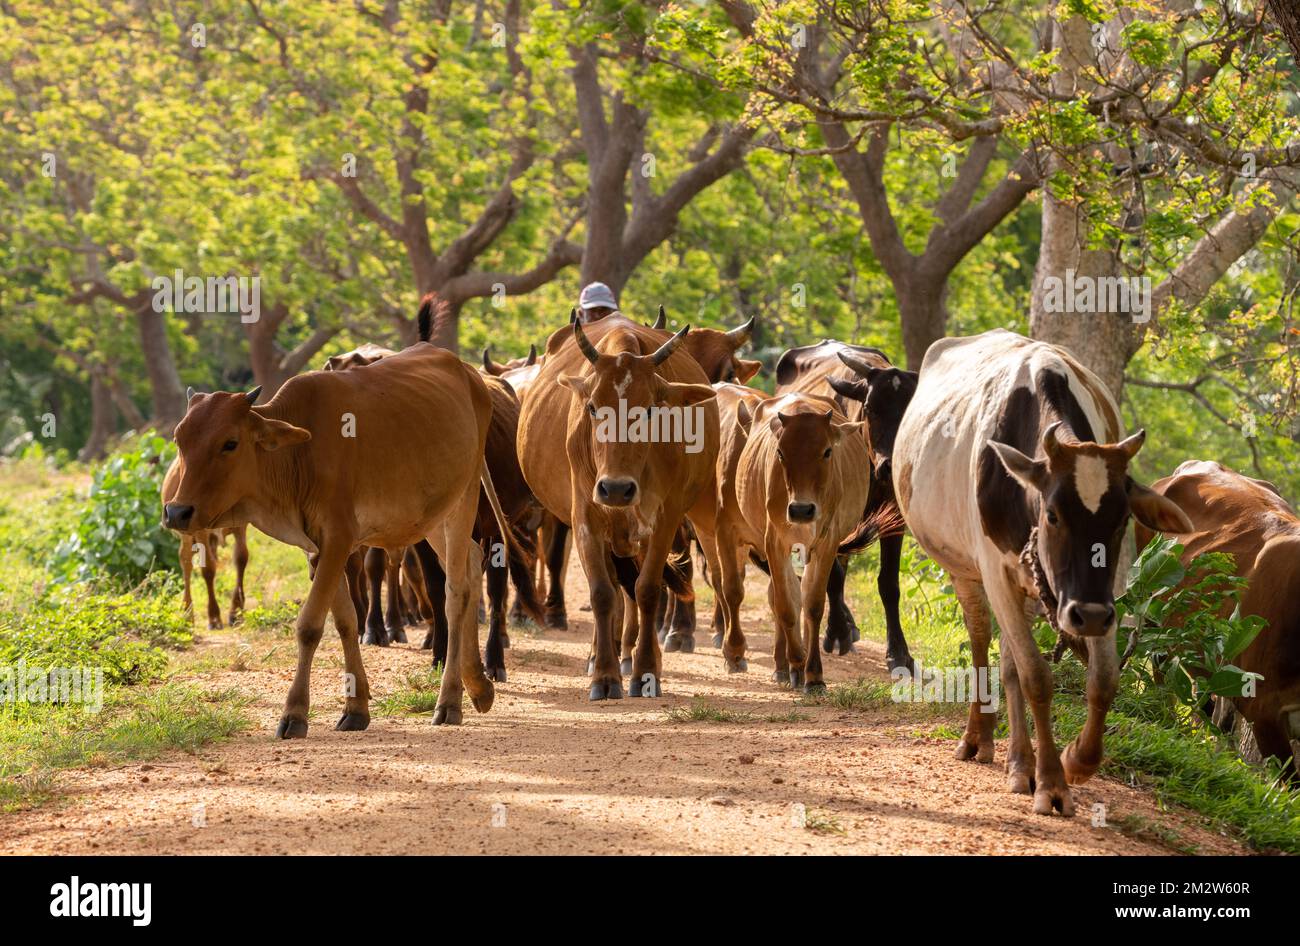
[577, 777]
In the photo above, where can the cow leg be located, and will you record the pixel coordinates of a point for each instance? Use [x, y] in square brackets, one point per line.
[376, 566]
[394, 624]
[785, 611]
[1035, 675]
[526, 608]
[606, 681]
[837, 627]
[356, 689]
[896, 652]
[713, 576]
[435, 586]
[187, 572]
[977, 743]
[1082, 757]
[494, 654]
[1020, 751]
[210, 578]
[240, 558]
[729, 588]
[555, 555]
[662, 617]
[311, 623]
[354, 571]
[629, 625]
[812, 592]
[647, 670]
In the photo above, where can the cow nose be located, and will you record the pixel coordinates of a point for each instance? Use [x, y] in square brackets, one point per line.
[1089, 620]
[615, 492]
[801, 512]
[176, 516]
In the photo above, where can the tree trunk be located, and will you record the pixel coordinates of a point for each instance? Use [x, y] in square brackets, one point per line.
[923, 316]
[103, 421]
[164, 381]
[1287, 16]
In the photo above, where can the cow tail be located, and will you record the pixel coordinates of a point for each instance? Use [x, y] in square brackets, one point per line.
[424, 320]
[884, 522]
[485, 477]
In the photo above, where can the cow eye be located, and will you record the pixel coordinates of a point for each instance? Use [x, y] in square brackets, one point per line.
[229, 446]
[1051, 518]
[591, 409]
[827, 454]
[779, 455]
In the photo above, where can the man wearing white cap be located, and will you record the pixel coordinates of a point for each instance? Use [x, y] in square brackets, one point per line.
[596, 301]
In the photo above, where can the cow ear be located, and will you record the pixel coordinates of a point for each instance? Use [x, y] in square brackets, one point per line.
[743, 417]
[576, 383]
[746, 369]
[274, 434]
[846, 428]
[1032, 473]
[677, 393]
[1156, 512]
[853, 390]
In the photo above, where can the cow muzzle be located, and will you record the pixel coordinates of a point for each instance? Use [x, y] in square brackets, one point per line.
[177, 516]
[614, 491]
[801, 512]
[1087, 620]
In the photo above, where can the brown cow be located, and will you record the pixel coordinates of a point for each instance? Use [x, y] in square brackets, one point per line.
[207, 544]
[1249, 520]
[290, 468]
[800, 485]
[866, 387]
[624, 496]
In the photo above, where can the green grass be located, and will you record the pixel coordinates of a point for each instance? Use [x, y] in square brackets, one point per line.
[417, 694]
[38, 740]
[700, 710]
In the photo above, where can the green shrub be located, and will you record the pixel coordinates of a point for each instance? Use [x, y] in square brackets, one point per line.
[119, 534]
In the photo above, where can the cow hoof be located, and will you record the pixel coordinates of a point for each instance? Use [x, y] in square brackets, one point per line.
[375, 638]
[352, 722]
[1020, 783]
[558, 620]
[624, 666]
[893, 663]
[496, 674]
[484, 699]
[739, 665]
[291, 728]
[796, 679]
[814, 687]
[646, 685]
[397, 635]
[606, 690]
[717, 639]
[967, 750]
[846, 648]
[428, 642]
[677, 642]
[1077, 771]
[234, 618]
[447, 716]
[1047, 800]
[782, 677]
[214, 624]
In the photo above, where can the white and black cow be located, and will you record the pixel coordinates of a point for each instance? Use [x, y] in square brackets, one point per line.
[1011, 470]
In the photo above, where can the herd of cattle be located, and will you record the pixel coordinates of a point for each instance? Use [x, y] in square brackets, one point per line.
[1004, 457]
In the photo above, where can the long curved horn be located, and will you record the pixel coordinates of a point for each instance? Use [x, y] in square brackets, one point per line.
[741, 334]
[1051, 441]
[254, 394]
[585, 344]
[854, 362]
[487, 359]
[668, 347]
[660, 320]
[532, 355]
[1131, 445]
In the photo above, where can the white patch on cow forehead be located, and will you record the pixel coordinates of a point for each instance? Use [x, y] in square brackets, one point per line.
[898, 382]
[1091, 480]
[621, 386]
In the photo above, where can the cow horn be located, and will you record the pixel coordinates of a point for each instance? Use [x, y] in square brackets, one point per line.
[254, 394]
[854, 362]
[1131, 445]
[487, 358]
[532, 355]
[189, 394]
[585, 344]
[740, 335]
[1051, 443]
[668, 347]
[661, 319]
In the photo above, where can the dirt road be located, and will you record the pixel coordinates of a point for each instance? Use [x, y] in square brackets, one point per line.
[547, 772]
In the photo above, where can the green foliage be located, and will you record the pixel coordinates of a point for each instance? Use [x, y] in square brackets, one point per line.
[1184, 631]
[417, 694]
[119, 535]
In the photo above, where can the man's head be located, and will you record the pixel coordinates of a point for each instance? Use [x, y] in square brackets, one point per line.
[596, 301]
